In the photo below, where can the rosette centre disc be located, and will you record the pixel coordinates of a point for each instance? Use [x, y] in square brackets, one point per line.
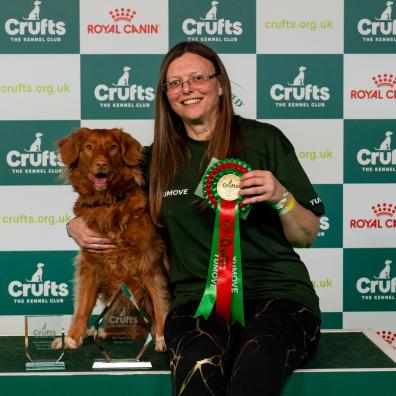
[228, 186]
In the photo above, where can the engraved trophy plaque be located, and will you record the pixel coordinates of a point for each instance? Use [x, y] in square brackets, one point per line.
[122, 333]
[40, 333]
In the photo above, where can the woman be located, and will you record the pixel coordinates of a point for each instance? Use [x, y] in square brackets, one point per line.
[194, 123]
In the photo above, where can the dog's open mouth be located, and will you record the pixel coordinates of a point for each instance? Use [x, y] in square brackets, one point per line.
[100, 180]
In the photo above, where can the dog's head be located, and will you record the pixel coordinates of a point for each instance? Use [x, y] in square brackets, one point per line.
[101, 160]
[40, 265]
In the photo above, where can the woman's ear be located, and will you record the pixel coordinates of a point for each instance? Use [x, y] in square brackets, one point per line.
[220, 89]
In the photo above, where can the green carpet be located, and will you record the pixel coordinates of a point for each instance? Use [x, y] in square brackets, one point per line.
[336, 350]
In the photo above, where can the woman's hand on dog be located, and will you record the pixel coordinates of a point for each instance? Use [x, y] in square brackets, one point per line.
[88, 239]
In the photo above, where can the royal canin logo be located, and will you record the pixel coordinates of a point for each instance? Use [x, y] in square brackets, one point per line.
[385, 88]
[122, 23]
[383, 213]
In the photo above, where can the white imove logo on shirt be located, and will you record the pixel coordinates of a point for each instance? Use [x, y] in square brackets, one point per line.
[211, 25]
[173, 193]
[32, 24]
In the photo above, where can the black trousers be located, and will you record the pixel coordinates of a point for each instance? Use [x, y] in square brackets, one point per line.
[212, 357]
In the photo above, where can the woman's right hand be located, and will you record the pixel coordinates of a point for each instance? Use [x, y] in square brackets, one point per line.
[88, 239]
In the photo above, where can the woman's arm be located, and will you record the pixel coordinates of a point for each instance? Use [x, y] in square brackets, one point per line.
[300, 225]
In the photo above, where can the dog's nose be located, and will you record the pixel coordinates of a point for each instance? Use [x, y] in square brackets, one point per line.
[101, 163]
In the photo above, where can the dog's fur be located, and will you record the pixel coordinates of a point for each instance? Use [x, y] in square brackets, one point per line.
[103, 168]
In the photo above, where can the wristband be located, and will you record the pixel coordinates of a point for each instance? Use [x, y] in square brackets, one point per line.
[280, 204]
[289, 207]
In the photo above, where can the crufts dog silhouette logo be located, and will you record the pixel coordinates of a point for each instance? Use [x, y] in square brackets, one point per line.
[299, 79]
[35, 147]
[385, 273]
[123, 81]
[211, 15]
[38, 275]
[34, 15]
[386, 143]
[387, 13]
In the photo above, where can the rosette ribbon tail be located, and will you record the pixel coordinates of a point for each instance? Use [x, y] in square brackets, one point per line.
[237, 311]
[224, 281]
[209, 297]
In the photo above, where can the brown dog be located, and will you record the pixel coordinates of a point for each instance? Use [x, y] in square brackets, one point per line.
[103, 168]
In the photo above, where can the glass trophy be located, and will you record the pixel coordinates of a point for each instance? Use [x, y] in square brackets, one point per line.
[40, 333]
[122, 333]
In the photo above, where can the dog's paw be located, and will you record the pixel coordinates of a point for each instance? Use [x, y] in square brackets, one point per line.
[100, 333]
[57, 343]
[71, 344]
[160, 345]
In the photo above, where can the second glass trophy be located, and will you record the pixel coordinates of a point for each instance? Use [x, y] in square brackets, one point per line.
[122, 332]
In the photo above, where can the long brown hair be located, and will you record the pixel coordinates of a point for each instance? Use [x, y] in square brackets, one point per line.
[170, 150]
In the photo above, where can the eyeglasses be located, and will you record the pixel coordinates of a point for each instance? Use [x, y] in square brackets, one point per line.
[197, 81]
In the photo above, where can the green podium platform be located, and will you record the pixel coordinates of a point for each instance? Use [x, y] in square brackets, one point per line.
[347, 363]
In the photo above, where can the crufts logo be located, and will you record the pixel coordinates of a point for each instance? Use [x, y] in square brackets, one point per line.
[33, 159]
[122, 318]
[121, 94]
[211, 25]
[37, 290]
[380, 287]
[381, 25]
[122, 19]
[298, 93]
[385, 88]
[33, 25]
[381, 159]
[44, 331]
[381, 211]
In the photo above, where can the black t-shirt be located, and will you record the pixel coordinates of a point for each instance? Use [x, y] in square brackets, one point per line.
[270, 266]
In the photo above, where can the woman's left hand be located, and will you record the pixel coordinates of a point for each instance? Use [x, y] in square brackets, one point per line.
[260, 186]
[300, 225]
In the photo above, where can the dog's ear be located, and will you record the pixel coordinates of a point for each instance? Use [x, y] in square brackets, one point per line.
[130, 148]
[69, 146]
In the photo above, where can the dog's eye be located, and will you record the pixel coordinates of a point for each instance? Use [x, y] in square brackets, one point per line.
[89, 146]
[113, 146]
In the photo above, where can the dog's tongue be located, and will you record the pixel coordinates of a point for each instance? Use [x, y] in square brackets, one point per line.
[100, 181]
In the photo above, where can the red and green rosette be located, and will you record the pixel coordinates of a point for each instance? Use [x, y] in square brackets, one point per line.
[223, 288]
